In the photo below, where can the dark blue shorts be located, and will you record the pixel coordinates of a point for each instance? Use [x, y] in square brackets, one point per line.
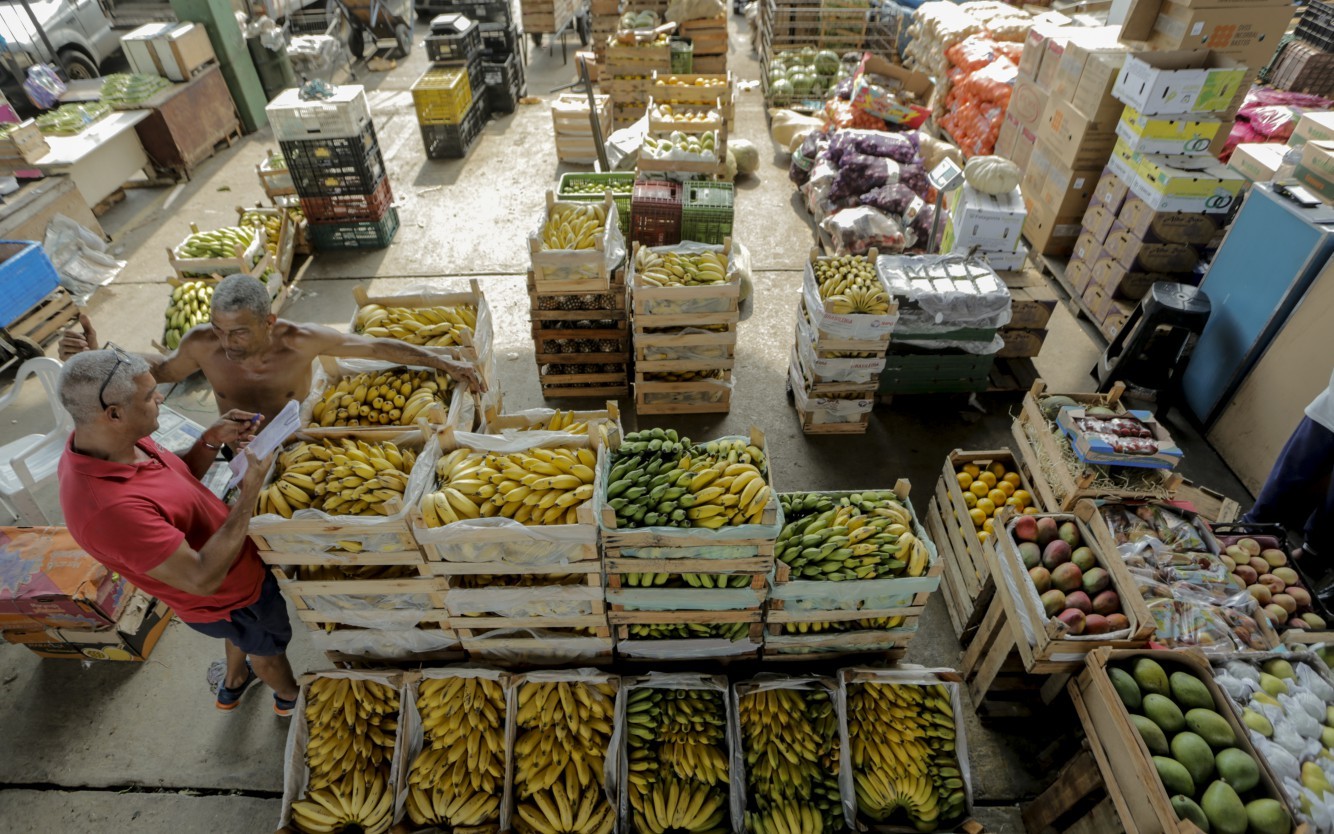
[261, 629]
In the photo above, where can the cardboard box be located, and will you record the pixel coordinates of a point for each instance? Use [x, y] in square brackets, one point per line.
[1178, 183]
[1249, 32]
[874, 99]
[1091, 448]
[133, 639]
[1181, 136]
[1087, 248]
[1007, 260]
[1005, 140]
[1110, 192]
[1028, 103]
[1053, 51]
[1314, 126]
[1098, 299]
[1079, 273]
[170, 50]
[138, 47]
[1094, 94]
[1077, 59]
[1021, 343]
[1048, 233]
[1257, 162]
[48, 581]
[1076, 141]
[1135, 254]
[1065, 191]
[991, 220]
[1318, 157]
[1035, 46]
[1098, 220]
[1191, 229]
[1315, 182]
[1130, 284]
[1025, 141]
[1179, 83]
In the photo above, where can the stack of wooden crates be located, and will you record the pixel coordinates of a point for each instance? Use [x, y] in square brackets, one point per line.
[628, 72]
[575, 141]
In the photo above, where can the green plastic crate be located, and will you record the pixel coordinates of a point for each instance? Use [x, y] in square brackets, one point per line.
[621, 184]
[935, 372]
[963, 334]
[706, 211]
[370, 234]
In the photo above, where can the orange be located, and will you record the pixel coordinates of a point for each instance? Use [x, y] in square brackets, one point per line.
[965, 480]
[1006, 487]
[980, 488]
[1030, 510]
[997, 497]
[978, 517]
[989, 526]
[1023, 497]
[971, 469]
[987, 478]
[986, 505]
[997, 469]
[983, 535]
[969, 500]
[1012, 478]
[1014, 502]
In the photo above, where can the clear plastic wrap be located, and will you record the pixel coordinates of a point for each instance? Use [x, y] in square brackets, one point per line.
[370, 602]
[677, 301]
[384, 644]
[947, 288]
[538, 601]
[899, 147]
[856, 231]
[536, 647]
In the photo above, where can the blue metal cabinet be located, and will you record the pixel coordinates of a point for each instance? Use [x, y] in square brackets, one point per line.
[1272, 253]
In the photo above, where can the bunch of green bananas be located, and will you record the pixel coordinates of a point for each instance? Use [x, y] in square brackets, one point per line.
[688, 631]
[660, 479]
[686, 580]
[191, 305]
[677, 750]
[218, 243]
[790, 741]
[903, 753]
[865, 535]
[124, 91]
[840, 626]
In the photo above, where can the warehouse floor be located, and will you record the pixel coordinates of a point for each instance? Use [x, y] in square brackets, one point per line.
[120, 747]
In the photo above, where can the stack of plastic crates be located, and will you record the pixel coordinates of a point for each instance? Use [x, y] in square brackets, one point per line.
[655, 212]
[336, 166]
[706, 211]
[450, 96]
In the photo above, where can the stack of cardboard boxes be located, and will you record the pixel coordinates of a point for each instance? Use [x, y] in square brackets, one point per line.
[989, 224]
[60, 603]
[1160, 204]
[1308, 157]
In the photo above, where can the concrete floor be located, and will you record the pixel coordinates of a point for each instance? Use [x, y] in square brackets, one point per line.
[117, 747]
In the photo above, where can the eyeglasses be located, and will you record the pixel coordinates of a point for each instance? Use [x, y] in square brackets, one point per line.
[122, 358]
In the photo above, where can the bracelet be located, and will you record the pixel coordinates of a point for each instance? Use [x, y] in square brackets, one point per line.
[208, 445]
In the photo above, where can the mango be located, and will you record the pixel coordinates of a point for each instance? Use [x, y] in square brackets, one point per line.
[1173, 776]
[1274, 686]
[1187, 810]
[1237, 768]
[1212, 727]
[1055, 554]
[1327, 736]
[1069, 533]
[1189, 692]
[1080, 600]
[1030, 554]
[1152, 735]
[1150, 676]
[1129, 690]
[1258, 722]
[1314, 778]
[1194, 755]
[1083, 557]
[1047, 531]
[1164, 713]
[1224, 809]
[1026, 530]
[1053, 602]
[1096, 581]
[1066, 577]
[1268, 816]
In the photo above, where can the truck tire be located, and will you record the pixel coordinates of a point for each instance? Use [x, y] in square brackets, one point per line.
[77, 65]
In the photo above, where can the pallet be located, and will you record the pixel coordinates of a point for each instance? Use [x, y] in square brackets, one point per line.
[1076, 803]
[999, 683]
[44, 321]
[1012, 375]
[1105, 327]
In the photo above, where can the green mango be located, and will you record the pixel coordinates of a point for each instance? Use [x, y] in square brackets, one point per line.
[1150, 676]
[1166, 714]
[1126, 688]
[1187, 810]
[1212, 727]
[1152, 735]
[1194, 755]
[1226, 813]
[1267, 816]
[1238, 769]
[1189, 692]
[1174, 776]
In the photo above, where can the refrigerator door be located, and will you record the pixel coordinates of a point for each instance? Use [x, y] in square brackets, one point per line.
[1268, 259]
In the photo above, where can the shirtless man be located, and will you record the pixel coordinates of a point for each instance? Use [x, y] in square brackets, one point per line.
[256, 361]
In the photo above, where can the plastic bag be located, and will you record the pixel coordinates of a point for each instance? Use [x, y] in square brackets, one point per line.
[896, 199]
[973, 52]
[900, 147]
[43, 86]
[804, 159]
[858, 173]
[841, 114]
[786, 125]
[679, 10]
[623, 145]
[857, 230]
[80, 257]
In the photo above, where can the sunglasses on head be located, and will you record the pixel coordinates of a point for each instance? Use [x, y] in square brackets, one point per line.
[122, 358]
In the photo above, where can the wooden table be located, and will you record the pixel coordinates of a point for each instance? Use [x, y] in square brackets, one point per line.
[187, 121]
[100, 159]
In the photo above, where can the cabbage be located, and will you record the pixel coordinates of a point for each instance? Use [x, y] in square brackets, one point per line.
[826, 62]
[746, 154]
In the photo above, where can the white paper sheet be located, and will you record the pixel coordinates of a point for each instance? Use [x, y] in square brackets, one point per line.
[269, 439]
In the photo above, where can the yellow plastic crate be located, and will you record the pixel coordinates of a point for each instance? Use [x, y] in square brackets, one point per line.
[442, 96]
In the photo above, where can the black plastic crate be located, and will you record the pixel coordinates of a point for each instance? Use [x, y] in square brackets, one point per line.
[454, 141]
[1317, 24]
[367, 234]
[337, 166]
[457, 39]
[503, 82]
[497, 44]
[482, 11]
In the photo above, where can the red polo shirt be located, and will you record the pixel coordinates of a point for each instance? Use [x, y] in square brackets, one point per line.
[131, 517]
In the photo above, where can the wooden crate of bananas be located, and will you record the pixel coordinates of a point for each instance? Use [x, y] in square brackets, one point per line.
[280, 233]
[691, 635]
[351, 396]
[563, 601]
[633, 589]
[343, 752]
[381, 596]
[854, 572]
[455, 324]
[454, 761]
[965, 515]
[675, 291]
[676, 754]
[578, 246]
[833, 408]
[790, 752]
[554, 419]
[907, 750]
[220, 252]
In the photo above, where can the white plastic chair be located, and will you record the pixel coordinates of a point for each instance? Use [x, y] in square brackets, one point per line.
[31, 460]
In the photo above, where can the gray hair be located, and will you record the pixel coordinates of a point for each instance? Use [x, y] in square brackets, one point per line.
[82, 377]
[241, 292]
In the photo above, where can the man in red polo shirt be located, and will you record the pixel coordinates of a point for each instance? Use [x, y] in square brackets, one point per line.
[141, 510]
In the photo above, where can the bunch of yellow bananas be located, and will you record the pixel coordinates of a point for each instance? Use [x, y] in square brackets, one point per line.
[678, 768]
[683, 376]
[849, 285]
[837, 626]
[536, 487]
[458, 777]
[438, 326]
[352, 726]
[574, 226]
[560, 421]
[791, 745]
[679, 269]
[903, 753]
[564, 731]
[347, 477]
[389, 398]
[271, 220]
[691, 493]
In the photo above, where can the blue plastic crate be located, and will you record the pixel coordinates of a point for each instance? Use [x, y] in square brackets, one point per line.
[26, 277]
